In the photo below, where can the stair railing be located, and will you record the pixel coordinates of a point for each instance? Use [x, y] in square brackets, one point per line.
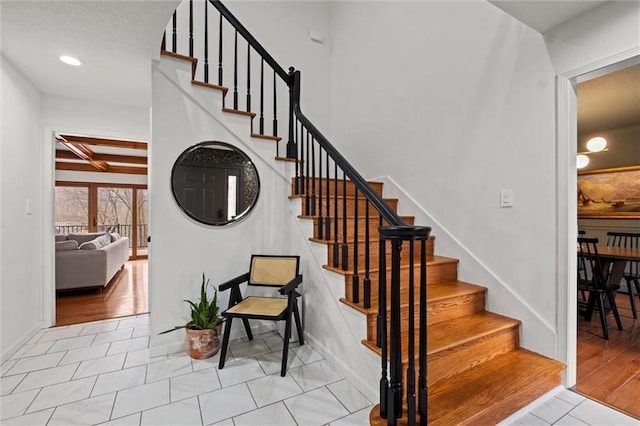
[328, 184]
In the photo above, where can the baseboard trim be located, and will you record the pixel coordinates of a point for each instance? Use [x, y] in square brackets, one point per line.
[7, 354]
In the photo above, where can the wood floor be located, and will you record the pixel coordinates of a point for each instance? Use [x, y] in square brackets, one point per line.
[609, 371]
[126, 294]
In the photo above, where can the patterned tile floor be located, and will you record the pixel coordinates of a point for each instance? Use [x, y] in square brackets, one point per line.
[101, 373]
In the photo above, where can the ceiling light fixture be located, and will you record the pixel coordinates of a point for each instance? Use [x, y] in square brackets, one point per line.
[582, 161]
[596, 144]
[70, 60]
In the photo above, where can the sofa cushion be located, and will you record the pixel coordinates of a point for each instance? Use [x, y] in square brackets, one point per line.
[96, 243]
[115, 236]
[83, 238]
[61, 237]
[67, 245]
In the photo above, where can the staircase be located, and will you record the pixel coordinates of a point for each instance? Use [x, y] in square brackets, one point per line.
[477, 373]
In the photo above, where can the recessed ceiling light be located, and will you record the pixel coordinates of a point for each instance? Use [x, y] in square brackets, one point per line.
[70, 60]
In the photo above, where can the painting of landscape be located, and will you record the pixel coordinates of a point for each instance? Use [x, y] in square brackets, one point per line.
[609, 193]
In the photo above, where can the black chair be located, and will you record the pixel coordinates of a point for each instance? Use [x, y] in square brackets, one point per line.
[595, 280]
[281, 272]
[632, 273]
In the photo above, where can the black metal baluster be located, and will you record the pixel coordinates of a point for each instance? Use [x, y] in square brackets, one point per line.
[327, 225]
[235, 71]
[220, 53]
[345, 247]
[262, 97]
[411, 371]
[206, 41]
[275, 106]
[395, 341]
[299, 168]
[355, 282]
[191, 28]
[248, 77]
[313, 175]
[381, 335]
[306, 183]
[422, 350]
[174, 34]
[320, 219]
[336, 246]
[367, 280]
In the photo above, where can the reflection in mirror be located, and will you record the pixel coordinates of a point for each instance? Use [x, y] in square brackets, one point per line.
[215, 183]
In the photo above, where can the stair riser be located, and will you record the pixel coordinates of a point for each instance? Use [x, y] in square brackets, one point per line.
[374, 254]
[455, 307]
[321, 206]
[310, 185]
[374, 223]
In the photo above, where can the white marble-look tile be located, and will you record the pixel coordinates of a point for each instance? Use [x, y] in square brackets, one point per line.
[203, 364]
[349, 396]
[72, 343]
[307, 354]
[84, 354]
[169, 368]
[358, 418]
[527, 420]
[314, 375]
[34, 339]
[269, 389]
[249, 349]
[132, 322]
[15, 404]
[225, 422]
[99, 328]
[131, 420]
[317, 407]
[50, 376]
[141, 331]
[141, 398]
[118, 380]
[9, 383]
[240, 371]
[34, 363]
[137, 358]
[193, 384]
[276, 415]
[276, 342]
[113, 336]
[58, 333]
[593, 413]
[185, 412]
[62, 393]
[85, 412]
[552, 410]
[132, 345]
[224, 403]
[569, 420]
[33, 350]
[272, 362]
[39, 418]
[6, 366]
[97, 366]
[572, 398]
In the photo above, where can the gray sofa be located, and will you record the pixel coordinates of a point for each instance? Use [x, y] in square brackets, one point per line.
[89, 260]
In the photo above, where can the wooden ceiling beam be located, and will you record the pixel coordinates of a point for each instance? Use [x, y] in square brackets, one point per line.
[85, 140]
[78, 167]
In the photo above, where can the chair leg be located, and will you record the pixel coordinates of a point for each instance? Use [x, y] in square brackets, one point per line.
[632, 297]
[225, 343]
[296, 316]
[591, 302]
[247, 328]
[603, 317]
[614, 308]
[285, 346]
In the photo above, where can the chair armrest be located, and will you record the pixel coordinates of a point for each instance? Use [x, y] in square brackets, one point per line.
[291, 285]
[234, 282]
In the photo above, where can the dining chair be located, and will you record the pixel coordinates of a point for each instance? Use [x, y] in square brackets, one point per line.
[594, 279]
[265, 271]
[632, 272]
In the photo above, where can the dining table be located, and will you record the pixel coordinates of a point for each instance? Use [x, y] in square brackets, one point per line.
[617, 257]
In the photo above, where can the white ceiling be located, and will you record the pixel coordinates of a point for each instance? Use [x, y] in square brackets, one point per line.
[117, 39]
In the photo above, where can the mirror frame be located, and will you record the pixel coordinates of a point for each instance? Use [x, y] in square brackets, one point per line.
[246, 161]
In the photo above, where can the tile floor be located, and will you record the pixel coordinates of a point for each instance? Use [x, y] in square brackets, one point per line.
[101, 373]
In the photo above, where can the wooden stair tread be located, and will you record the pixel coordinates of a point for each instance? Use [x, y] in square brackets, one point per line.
[210, 86]
[267, 137]
[431, 261]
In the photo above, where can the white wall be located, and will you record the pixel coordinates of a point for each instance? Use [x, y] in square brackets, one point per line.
[21, 245]
[455, 101]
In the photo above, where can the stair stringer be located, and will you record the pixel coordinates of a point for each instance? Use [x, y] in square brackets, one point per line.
[536, 334]
[332, 328]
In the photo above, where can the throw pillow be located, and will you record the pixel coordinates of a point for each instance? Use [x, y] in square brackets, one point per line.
[60, 237]
[83, 238]
[67, 245]
[115, 236]
[97, 243]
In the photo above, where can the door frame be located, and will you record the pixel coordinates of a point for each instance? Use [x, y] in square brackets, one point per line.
[567, 205]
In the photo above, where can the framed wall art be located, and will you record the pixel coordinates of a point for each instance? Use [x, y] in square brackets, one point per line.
[609, 193]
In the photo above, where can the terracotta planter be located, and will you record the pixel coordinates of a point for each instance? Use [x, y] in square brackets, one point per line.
[203, 343]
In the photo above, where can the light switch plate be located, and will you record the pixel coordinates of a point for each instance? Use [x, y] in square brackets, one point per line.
[506, 198]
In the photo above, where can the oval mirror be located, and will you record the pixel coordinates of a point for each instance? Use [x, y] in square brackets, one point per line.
[215, 183]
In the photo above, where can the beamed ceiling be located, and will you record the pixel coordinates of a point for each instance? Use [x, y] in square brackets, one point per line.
[89, 154]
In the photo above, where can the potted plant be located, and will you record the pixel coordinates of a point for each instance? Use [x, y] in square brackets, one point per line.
[204, 329]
